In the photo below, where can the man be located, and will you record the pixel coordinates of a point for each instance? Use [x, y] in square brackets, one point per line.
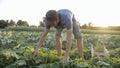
[61, 19]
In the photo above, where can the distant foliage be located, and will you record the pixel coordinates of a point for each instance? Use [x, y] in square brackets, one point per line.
[3, 23]
[12, 23]
[84, 26]
[42, 23]
[22, 23]
[6, 23]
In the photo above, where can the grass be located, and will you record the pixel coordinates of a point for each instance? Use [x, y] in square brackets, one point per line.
[87, 31]
[41, 29]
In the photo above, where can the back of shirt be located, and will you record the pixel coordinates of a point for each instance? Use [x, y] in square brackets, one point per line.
[66, 18]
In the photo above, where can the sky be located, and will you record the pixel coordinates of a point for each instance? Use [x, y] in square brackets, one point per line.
[98, 12]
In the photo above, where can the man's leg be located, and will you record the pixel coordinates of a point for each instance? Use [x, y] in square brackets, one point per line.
[80, 47]
[78, 37]
[58, 45]
[58, 40]
[68, 45]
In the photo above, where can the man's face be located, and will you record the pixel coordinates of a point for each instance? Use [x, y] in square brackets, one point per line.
[55, 23]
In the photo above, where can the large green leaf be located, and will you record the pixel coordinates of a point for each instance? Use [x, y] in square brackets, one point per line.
[20, 62]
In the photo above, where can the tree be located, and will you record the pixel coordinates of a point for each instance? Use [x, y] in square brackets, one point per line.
[89, 24]
[42, 23]
[12, 23]
[84, 26]
[22, 23]
[19, 23]
[25, 23]
[3, 23]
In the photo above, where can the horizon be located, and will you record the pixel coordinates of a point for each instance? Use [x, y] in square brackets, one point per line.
[78, 21]
[99, 13]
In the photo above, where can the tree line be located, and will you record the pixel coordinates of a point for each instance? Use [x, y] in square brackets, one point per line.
[89, 25]
[6, 23]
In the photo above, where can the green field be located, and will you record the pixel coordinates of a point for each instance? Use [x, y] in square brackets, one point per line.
[17, 47]
[85, 31]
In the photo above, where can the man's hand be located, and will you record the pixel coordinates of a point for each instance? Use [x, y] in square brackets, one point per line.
[41, 41]
[65, 59]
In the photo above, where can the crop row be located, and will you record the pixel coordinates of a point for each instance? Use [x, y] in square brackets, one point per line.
[16, 51]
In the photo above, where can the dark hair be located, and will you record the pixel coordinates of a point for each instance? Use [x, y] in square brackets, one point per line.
[51, 15]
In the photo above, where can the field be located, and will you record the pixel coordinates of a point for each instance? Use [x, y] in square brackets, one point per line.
[17, 47]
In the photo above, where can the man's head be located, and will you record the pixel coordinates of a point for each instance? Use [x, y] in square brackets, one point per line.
[52, 17]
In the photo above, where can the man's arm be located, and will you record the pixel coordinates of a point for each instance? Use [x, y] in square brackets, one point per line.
[68, 45]
[41, 41]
